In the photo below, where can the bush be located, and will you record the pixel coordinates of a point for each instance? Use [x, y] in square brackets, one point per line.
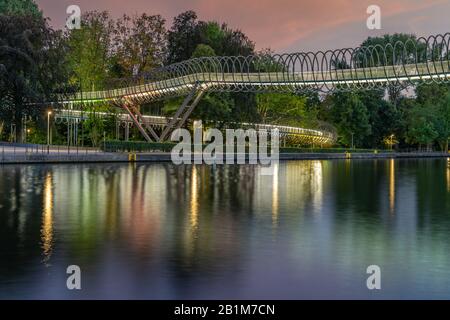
[136, 146]
[140, 146]
[329, 150]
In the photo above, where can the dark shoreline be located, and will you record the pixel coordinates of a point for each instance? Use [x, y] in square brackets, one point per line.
[165, 157]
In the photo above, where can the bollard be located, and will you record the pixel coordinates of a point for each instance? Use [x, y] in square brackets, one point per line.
[132, 157]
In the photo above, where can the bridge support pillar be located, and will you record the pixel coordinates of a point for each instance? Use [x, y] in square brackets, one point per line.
[183, 112]
[139, 122]
[178, 120]
[127, 131]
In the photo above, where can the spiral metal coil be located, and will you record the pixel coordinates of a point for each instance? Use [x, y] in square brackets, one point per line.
[425, 60]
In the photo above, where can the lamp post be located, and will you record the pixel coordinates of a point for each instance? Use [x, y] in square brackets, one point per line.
[48, 131]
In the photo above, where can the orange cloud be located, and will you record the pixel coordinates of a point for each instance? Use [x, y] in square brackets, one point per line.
[270, 23]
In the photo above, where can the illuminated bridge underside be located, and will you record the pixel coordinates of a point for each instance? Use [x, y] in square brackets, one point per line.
[271, 81]
[298, 135]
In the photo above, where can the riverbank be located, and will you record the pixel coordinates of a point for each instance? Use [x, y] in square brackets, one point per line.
[104, 157]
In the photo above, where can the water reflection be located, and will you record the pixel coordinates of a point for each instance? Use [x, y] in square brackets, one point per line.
[448, 174]
[275, 203]
[303, 185]
[317, 183]
[164, 231]
[47, 218]
[194, 198]
[392, 186]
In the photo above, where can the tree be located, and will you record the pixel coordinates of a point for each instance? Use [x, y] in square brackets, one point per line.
[189, 38]
[187, 33]
[390, 50]
[31, 66]
[398, 47]
[384, 117]
[211, 34]
[215, 109]
[140, 43]
[434, 100]
[20, 7]
[224, 40]
[182, 37]
[432, 93]
[287, 109]
[203, 50]
[421, 129]
[440, 113]
[90, 50]
[236, 43]
[351, 117]
[95, 127]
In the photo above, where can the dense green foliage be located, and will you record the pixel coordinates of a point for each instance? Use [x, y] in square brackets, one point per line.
[136, 146]
[89, 51]
[32, 65]
[19, 7]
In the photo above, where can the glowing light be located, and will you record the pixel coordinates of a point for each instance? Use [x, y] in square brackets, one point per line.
[448, 174]
[275, 200]
[194, 198]
[392, 186]
[317, 184]
[47, 219]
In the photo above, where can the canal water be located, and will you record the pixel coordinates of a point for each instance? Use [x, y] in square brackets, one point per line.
[160, 231]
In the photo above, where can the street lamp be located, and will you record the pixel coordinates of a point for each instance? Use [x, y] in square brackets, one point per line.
[48, 129]
[27, 132]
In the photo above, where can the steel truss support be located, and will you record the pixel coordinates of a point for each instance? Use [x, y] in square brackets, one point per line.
[178, 120]
[183, 112]
[142, 120]
[135, 116]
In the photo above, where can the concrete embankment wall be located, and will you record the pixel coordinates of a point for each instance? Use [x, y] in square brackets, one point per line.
[165, 157]
[391, 155]
[67, 158]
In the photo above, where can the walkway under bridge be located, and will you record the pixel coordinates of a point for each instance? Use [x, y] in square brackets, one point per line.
[325, 136]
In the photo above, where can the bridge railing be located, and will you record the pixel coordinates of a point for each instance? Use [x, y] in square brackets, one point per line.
[425, 60]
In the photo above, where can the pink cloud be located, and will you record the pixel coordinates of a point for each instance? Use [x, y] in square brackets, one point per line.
[276, 24]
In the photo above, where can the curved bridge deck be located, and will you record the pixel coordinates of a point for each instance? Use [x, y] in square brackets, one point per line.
[217, 81]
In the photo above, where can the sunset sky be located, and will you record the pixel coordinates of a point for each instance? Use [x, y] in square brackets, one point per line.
[284, 25]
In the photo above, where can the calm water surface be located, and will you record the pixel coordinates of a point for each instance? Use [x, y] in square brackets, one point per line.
[161, 231]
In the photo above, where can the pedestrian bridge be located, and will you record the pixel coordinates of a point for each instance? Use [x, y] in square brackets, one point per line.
[283, 81]
[422, 61]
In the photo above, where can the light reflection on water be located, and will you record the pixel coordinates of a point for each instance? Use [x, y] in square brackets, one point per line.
[47, 219]
[392, 186]
[164, 231]
[448, 174]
